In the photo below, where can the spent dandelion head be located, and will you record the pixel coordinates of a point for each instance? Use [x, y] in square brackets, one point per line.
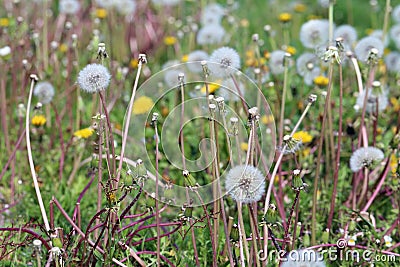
[94, 78]
[44, 91]
[245, 184]
[348, 33]
[277, 61]
[297, 181]
[307, 66]
[290, 145]
[365, 157]
[228, 61]
[376, 99]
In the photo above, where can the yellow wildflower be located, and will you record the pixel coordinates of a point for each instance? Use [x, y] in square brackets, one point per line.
[267, 119]
[170, 40]
[321, 81]
[63, 48]
[244, 146]
[291, 50]
[185, 58]
[101, 13]
[4, 22]
[285, 17]
[306, 152]
[266, 54]
[38, 120]
[244, 23]
[393, 163]
[84, 133]
[311, 17]
[300, 8]
[212, 87]
[133, 63]
[305, 137]
[395, 103]
[142, 105]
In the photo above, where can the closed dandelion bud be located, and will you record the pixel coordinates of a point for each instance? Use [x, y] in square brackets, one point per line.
[325, 236]
[234, 235]
[56, 242]
[140, 170]
[306, 239]
[352, 225]
[297, 182]
[271, 216]
[190, 181]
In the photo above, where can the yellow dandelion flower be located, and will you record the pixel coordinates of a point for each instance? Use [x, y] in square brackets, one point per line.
[306, 152]
[170, 40]
[164, 111]
[142, 105]
[63, 48]
[249, 53]
[395, 103]
[212, 87]
[291, 50]
[133, 63]
[244, 146]
[285, 17]
[393, 163]
[300, 8]
[266, 54]
[303, 136]
[311, 17]
[101, 13]
[267, 119]
[185, 58]
[118, 126]
[250, 62]
[244, 23]
[84, 133]
[369, 31]
[321, 81]
[38, 120]
[4, 22]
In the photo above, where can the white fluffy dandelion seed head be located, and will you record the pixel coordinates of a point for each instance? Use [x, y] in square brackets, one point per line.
[105, 3]
[44, 91]
[303, 258]
[166, 2]
[314, 33]
[69, 6]
[365, 157]
[125, 7]
[364, 46]
[212, 14]
[245, 184]
[276, 62]
[229, 91]
[307, 66]
[396, 14]
[228, 60]
[94, 78]
[392, 61]
[395, 34]
[378, 34]
[197, 56]
[210, 34]
[348, 33]
[374, 99]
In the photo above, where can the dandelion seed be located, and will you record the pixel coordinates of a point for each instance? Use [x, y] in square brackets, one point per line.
[69, 6]
[44, 91]
[38, 120]
[245, 184]
[365, 157]
[228, 60]
[94, 78]
[304, 258]
[142, 105]
[365, 46]
[210, 34]
[307, 67]
[314, 33]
